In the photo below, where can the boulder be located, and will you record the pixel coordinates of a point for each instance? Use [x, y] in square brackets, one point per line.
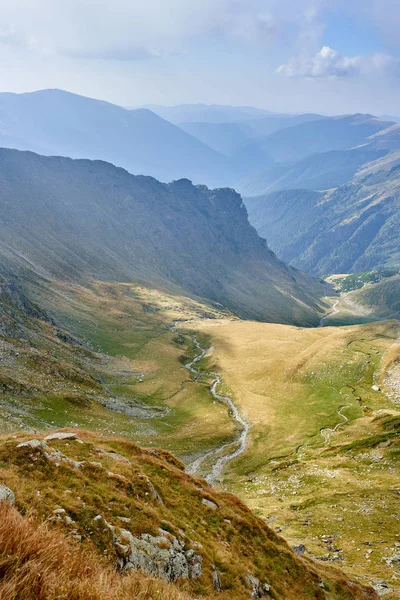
[60, 435]
[299, 550]
[209, 504]
[159, 556]
[7, 495]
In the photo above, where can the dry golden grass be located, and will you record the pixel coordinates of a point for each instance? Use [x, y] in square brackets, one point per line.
[231, 539]
[290, 383]
[36, 563]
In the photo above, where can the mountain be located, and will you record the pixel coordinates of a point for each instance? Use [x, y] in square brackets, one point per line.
[77, 219]
[221, 137]
[353, 228]
[225, 137]
[54, 122]
[262, 126]
[386, 139]
[207, 113]
[316, 172]
[293, 144]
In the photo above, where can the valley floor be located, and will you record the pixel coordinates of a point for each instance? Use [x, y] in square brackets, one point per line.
[303, 424]
[322, 457]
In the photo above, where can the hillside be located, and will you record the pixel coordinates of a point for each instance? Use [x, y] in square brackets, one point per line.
[122, 506]
[323, 443]
[208, 113]
[75, 220]
[322, 135]
[317, 172]
[106, 357]
[54, 122]
[226, 137]
[352, 228]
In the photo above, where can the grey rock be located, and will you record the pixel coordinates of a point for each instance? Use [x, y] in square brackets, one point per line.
[259, 590]
[209, 504]
[7, 495]
[60, 435]
[114, 455]
[299, 550]
[33, 444]
[216, 580]
[159, 556]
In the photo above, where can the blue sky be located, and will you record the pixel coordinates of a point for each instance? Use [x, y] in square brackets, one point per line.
[330, 56]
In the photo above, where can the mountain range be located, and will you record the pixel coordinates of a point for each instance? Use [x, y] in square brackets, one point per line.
[54, 122]
[77, 219]
[355, 227]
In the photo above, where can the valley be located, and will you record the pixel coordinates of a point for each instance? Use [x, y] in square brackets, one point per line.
[323, 439]
[285, 417]
[215, 419]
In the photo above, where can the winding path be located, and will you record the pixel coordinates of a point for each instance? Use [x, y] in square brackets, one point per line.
[334, 311]
[239, 443]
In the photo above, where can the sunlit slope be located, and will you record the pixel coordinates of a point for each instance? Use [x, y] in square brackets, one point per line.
[106, 358]
[131, 507]
[81, 220]
[323, 444]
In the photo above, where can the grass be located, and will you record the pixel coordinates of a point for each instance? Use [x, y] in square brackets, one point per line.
[232, 539]
[39, 563]
[290, 383]
[130, 357]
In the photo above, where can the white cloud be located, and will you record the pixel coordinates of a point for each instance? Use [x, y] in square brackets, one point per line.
[328, 63]
[135, 29]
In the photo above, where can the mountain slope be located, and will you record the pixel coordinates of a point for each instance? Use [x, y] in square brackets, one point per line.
[317, 172]
[351, 229]
[136, 509]
[208, 113]
[225, 137]
[74, 220]
[292, 144]
[54, 122]
[222, 137]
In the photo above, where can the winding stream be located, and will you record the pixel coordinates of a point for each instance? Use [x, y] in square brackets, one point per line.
[239, 443]
[327, 431]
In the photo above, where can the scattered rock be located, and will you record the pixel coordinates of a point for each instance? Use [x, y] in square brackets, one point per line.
[159, 556]
[209, 504]
[259, 590]
[392, 560]
[7, 495]
[114, 455]
[216, 580]
[382, 588]
[299, 550]
[33, 444]
[376, 388]
[60, 435]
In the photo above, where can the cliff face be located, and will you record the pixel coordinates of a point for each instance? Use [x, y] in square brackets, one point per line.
[79, 219]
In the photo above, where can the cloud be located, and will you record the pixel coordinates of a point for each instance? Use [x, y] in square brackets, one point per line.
[118, 53]
[328, 63]
[139, 29]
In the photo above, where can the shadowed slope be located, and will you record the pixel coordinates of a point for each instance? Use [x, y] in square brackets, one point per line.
[79, 219]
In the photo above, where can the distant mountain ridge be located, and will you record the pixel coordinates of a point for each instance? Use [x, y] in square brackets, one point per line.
[78, 219]
[353, 228]
[54, 122]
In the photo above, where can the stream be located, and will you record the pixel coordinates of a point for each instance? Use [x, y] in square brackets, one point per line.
[239, 443]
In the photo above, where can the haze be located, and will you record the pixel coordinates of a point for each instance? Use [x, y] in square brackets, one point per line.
[327, 56]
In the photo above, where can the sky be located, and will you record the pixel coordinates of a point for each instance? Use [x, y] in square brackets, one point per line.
[327, 56]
